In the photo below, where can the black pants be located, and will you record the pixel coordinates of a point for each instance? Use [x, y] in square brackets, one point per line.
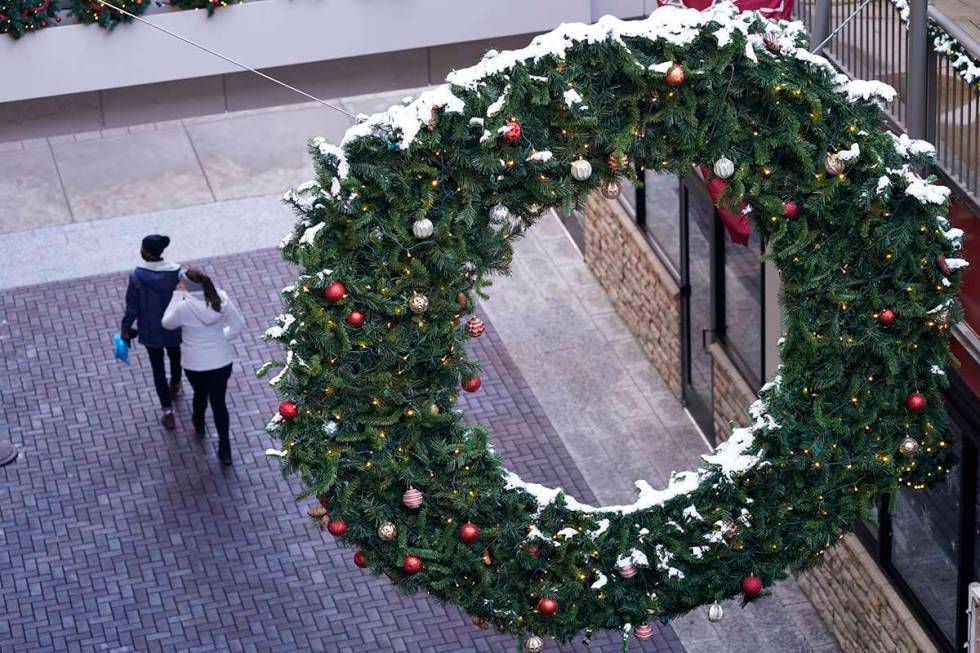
[160, 374]
[210, 387]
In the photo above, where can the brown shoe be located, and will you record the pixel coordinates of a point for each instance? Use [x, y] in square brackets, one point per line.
[168, 421]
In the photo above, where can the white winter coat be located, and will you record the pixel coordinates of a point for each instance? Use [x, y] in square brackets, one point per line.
[206, 333]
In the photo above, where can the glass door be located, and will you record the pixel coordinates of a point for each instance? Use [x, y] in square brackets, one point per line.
[699, 236]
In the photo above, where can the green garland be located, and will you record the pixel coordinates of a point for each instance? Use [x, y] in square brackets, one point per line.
[93, 11]
[412, 215]
[210, 5]
[20, 17]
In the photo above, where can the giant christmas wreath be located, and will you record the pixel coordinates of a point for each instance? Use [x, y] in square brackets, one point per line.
[416, 209]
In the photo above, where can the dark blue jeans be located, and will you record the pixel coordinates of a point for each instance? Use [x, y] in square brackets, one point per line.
[160, 374]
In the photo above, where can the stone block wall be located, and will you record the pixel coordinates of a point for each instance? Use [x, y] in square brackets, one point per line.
[638, 284]
[732, 396]
[859, 605]
[850, 592]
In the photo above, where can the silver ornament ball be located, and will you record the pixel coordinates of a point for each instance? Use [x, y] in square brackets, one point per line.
[715, 612]
[499, 214]
[581, 169]
[909, 446]
[423, 228]
[612, 189]
[724, 168]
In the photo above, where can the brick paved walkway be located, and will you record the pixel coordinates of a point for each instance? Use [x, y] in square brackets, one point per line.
[118, 536]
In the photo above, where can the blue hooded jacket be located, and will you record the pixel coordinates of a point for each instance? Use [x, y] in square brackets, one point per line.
[151, 285]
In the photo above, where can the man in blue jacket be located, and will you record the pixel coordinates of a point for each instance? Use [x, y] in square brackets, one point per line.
[151, 285]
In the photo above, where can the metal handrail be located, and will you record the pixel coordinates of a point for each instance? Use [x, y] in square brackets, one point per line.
[954, 31]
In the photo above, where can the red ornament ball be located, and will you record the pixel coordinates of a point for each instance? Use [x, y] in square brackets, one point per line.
[548, 606]
[886, 316]
[790, 210]
[675, 76]
[533, 550]
[643, 632]
[916, 402]
[412, 564]
[288, 409]
[355, 319]
[475, 327]
[337, 528]
[472, 384]
[360, 559]
[751, 586]
[512, 133]
[469, 533]
[334, 292]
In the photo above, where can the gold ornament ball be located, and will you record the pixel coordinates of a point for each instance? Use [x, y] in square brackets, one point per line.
[675, 76]
[909, 447]
[533, 644]
[418, 302]
[833, 164]
[387, 531]
[612, 189]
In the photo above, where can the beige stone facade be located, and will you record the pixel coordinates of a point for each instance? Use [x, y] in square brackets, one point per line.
[850, 592]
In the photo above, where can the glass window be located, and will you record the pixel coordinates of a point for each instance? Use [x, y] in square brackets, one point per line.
[925, 539]
[743, 306]
[663, 216]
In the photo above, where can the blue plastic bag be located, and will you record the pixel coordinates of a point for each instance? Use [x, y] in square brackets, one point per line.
[122, 349]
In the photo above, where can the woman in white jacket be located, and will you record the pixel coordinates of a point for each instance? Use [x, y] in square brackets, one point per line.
[208, 320]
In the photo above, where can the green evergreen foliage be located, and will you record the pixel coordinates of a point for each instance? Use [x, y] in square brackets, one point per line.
[93, 11]
[20, 17]
[824, 446]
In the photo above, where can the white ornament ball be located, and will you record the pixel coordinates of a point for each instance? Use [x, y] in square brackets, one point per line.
[715, 612]
[612, 189]
[724, 168]
[412, 498]
[627, 571]
[423, 228]
[533, 644]
[581, 169]
[499, 214]
[643, 632]
[418, 303]
[387, 531]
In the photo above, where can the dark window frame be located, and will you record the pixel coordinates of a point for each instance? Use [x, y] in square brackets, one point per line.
[964, 407]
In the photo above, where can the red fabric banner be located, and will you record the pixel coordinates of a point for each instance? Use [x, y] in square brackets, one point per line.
[736, 222]
[772, 9]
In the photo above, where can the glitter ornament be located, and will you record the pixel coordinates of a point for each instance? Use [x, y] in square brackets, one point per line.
[418, 303]
[908, 447]
[643, 632]
[334, 292]
[387, 531]
[790, 210]
[499, 214]
[512, 133]
[627, 571]
[612, 189]
[675, 76]
[412, 564]
[618, 162]
[833, 164]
